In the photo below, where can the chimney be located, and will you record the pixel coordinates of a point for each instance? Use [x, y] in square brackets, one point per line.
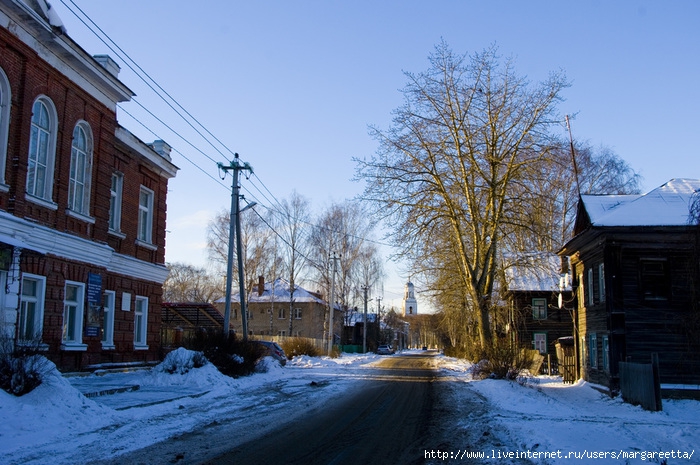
[261, 285]
[108, 64]
[161, 148]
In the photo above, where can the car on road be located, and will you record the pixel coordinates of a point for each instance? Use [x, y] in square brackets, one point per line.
[273, 350]
[384, 350]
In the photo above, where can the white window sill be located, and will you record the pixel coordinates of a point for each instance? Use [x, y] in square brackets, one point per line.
[4, 187]
[80, 216]
[73, 347]
[106, 346]
[43, 202]
[118, 234]
[140, 347]
[146, 245]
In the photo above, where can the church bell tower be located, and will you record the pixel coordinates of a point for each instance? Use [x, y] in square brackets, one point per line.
[410, 306]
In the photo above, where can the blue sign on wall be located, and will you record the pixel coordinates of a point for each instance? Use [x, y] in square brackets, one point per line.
[94, 288]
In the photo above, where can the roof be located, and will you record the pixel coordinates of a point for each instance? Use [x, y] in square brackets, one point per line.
[535, 272]
[191, 314]
[667, 205]
[278, 291]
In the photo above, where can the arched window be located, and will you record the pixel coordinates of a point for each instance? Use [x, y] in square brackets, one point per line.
[80, 169]
[5, 99]
[42, 150]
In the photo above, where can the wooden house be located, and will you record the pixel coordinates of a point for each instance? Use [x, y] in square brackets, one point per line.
[635, 268]
[538, 301]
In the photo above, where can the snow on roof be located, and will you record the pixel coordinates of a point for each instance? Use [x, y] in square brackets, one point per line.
[667, 205]
[278, 291]
[536, 272]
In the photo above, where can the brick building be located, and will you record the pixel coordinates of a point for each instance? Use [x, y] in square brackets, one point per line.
[269, 310]
[82, 201]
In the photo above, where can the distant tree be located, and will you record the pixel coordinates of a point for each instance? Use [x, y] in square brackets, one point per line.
[448, 167]
[258, 250]
[188, 283]
[293, 221]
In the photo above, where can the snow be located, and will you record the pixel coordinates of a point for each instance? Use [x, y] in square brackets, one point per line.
[667, 205]
[537, 414]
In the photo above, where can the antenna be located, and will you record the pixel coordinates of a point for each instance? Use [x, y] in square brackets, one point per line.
[573, 156]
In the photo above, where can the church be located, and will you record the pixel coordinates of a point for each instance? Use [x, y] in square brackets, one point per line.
[410, 305]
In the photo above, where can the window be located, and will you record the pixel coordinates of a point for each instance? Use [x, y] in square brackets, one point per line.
[282, 333]
[5, 99]
[31, 309]
[593, 350]
[80, 169]
[115, 202]
[140, 322]
[108, 300]
[145, 216]
[580, 291]
[539, 309]
[280, 313]
[297, 314]
[606, 352]
[589, 287]
[73, 306]
[601, 282]
[654, 279]
[42, 150]
[540, 342]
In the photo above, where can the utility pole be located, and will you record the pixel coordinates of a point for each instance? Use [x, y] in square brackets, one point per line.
[379, 320]
[330, 319]
[235, 231]
[364, 325]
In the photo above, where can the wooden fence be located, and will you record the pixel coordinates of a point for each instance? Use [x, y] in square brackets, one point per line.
[639, 383]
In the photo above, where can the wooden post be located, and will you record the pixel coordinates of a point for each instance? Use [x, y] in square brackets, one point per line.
[657, 380]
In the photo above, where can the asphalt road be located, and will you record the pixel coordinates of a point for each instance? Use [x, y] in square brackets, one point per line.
[401, 410]
[387, 421]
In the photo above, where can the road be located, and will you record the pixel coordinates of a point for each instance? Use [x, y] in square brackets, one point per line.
[387, 421]
[398, 411]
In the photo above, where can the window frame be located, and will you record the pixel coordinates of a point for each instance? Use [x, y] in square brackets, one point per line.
[116, 192]
[543, 341]
[80, 177]
[601, 282]
[141, 322]
[297, 313]
[593, 350]
[605, 341]
[109, 307]
[281, 313]
[589, 289]
[45, 197]
[74, 341]
[538, 310]
[5, 104]
[654, 286]
[144, 233]
[40, 302]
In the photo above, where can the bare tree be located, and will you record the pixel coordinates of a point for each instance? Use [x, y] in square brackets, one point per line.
[293, 220]
[464, 138]
[257, 242]
[343, 230]
[188, 283]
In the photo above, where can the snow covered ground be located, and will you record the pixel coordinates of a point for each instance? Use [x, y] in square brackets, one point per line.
[544, 420]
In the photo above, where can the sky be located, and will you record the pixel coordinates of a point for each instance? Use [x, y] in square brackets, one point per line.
[537, 414]
[292, 86]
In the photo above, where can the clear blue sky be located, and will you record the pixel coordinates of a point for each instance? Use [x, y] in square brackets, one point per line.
[292, 85]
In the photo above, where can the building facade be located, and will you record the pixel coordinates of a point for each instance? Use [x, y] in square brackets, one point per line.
[539, 302]
[82, 201]
[635, 268]
[273, 309]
